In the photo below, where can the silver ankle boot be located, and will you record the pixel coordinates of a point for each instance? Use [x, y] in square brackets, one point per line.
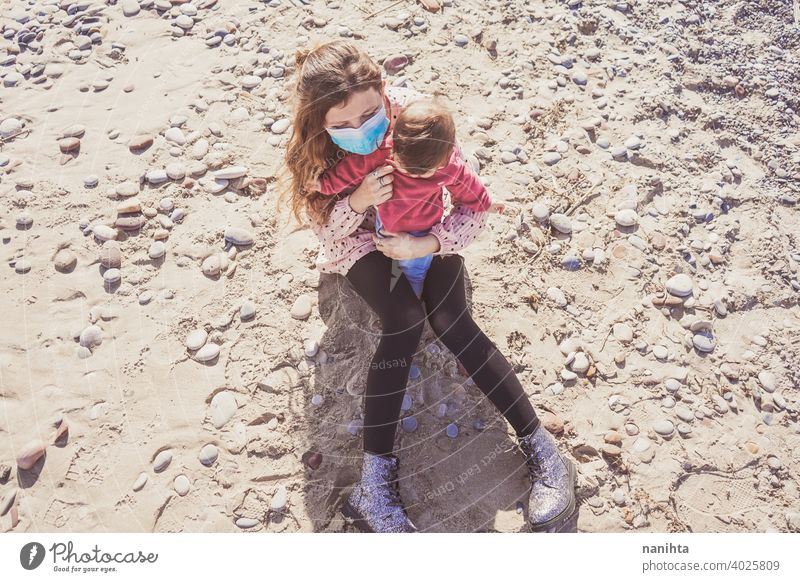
[374, 504]
[553, 480]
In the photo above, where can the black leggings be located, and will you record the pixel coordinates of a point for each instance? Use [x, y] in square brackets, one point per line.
[402, 317]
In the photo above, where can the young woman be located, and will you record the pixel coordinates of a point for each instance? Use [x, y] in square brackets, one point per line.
[338, 86]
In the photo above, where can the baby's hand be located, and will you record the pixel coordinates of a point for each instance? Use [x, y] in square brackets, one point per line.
[498, 207]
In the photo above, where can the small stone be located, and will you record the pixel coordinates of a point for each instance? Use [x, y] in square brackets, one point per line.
[196, 339]
[30, 453]
[208, 454]
[452, 430]
[660, 352]
[279, 499]
[162, 460]
[231, 173]
[409, 424]
[704, 341]
[223, 406]
[581, 363]
[112, 276]
[553, 423]
[22, 266]
[140, 481]
[680, 285]
[111, 255]
[91, 336]
[247, 311]
[641, 444]
[622, 332]
[238, 236]
[157, 250]
[551, 158]
[540, 212]
[664, 427]
[140, 142]
[207, 353]
[626, 217]
[65, 260]
[561, 223]
[181, 484]
[279, 127]
[767, 380]
[301, 308]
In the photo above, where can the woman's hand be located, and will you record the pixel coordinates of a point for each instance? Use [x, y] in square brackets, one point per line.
[375, 189]
[404, 246]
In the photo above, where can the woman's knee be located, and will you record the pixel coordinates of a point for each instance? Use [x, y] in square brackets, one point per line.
[404, 319]
[446, 322]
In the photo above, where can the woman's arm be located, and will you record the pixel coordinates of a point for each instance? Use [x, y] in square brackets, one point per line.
[461, 227]
[341, 223]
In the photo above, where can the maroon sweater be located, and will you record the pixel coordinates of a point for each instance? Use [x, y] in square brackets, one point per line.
[416, 203]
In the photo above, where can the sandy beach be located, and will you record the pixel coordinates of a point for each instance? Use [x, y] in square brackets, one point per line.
[171, 360]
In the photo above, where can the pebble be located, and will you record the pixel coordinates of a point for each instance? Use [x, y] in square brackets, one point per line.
[10, 127]
[554, 389]
[622, 332]
[317, 399]
[140, 482]
[561, 223]
[581, 363]
[626, 217]
[65, 260]
[238, 236]
[245, 522]
[680, 285]
[110, 254]
[175, 135]
[452, 430]
[181, 485]
[112, 276]
[354, 426]
[104, 232]
[414, 372]
[301, 308]
[22, 266]
[551, 158]
[223, 407]
[196, 339]
[660, 352]
[540, 211]
[157, 250]
[557, 296]
[140, 142]
[91, 336]
[279, 499]
[767, 380]
[30, 453]
[207, 353]
[162, 460]
[279, 127]
[664, 427]
[247, 311]
[641, 444]
[704, 341]
[409, 424]
[208, 454]
[232, 173]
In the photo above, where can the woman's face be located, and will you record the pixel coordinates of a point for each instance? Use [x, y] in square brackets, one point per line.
[355, 111]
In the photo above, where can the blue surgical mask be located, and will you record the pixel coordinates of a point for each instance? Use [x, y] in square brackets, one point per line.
[365, 139]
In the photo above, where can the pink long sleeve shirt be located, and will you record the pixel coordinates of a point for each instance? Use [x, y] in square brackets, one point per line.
[346, 236]
[416, 203]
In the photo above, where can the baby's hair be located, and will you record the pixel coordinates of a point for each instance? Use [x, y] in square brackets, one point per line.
[424, 135]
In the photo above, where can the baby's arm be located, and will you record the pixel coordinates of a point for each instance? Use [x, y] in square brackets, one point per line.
[465, 186]
[346, 174]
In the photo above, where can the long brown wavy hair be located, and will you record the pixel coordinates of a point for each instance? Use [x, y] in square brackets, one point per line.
[325, 75]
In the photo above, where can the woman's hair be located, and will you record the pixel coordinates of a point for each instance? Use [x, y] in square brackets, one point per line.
[424, 136]
[326, 75]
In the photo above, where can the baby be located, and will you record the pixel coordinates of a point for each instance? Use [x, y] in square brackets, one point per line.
[422, 149]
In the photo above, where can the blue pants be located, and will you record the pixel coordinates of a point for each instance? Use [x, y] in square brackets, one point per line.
[413, 269]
